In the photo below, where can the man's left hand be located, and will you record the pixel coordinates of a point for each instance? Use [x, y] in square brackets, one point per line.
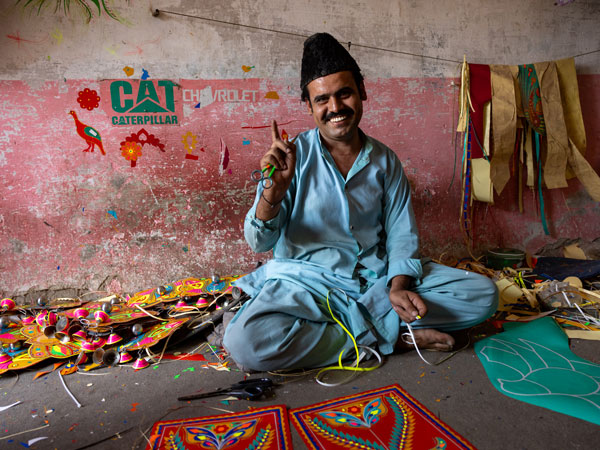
[407, 304]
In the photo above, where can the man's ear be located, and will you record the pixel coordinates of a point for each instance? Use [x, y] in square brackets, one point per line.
[362, 91]
[309, 106]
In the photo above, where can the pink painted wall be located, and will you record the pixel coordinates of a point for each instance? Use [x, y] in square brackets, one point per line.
[74, 218]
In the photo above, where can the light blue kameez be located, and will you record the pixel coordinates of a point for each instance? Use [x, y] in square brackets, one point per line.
[332, 235]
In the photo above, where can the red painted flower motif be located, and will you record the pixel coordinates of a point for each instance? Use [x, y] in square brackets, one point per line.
[219, 429]
[354, 410]
[131, 150]
[88, 99]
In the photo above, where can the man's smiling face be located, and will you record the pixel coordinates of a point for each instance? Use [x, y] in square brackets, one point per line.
[335, 102]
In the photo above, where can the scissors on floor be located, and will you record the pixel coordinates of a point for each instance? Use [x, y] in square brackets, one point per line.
[250, 389]
[259, 176]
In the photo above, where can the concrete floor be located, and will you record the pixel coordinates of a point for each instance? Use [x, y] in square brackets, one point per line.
[120, 402]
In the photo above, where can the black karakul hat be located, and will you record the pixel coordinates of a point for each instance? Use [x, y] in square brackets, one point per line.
[324, 55]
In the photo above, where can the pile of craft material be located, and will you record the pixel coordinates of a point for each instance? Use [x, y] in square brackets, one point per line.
[526, 295]
[114, 329]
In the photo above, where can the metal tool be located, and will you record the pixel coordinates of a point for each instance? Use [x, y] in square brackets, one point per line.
[250, 389]
[258, 176]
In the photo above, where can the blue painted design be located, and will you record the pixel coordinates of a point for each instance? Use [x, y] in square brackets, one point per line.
[371, 415]
[209, 439]
[216, 286]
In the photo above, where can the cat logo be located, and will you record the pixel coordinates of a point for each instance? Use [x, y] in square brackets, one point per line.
[144, 102]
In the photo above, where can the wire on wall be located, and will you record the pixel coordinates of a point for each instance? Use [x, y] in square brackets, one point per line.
[270, 30]
[156, 12]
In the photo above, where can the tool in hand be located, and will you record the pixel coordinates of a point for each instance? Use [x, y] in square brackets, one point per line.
[258, 176]
[250, 389]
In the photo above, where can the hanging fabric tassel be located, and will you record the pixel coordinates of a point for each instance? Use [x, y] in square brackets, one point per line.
[465, 98]
[466, 210]
[520, 162]
[538, 161]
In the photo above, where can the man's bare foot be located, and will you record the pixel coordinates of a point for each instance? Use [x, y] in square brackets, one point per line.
[427, 338]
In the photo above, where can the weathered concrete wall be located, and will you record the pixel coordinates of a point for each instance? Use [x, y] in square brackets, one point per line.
[74, 218]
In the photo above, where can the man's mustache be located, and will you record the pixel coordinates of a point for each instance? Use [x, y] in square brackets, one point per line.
[344, 112]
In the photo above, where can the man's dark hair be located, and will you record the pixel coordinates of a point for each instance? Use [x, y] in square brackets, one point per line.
[322, 56]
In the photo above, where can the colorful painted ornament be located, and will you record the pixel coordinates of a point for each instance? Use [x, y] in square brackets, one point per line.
[89, 346]
[46, 318]
[11, 336]
[140, 363]
[21, 361]
[69, 328]
[40, 319]
[113, 338]
[81, 313]
[154, 334]
[125, 358]
[51, 318]
[28, 320]
[57, 350]
[202, 302]
[7, 304]
[69, 369]
[101, 316]
[78, 335]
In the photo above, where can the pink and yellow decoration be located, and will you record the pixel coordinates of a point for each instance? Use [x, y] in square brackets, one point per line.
[140, 363]
[187, 287]
[154, 334]
[7, 304]
[70, 328]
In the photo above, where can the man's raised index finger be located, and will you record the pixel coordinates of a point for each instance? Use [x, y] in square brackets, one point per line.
[274, 131]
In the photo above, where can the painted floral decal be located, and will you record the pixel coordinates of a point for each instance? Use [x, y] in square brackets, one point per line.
[88, 99]
[131, 151]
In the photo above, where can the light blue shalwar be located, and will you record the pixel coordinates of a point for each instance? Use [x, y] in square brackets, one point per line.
[348, 237]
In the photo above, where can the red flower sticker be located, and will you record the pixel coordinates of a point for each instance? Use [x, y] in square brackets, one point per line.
[131, 151]
[88, 99]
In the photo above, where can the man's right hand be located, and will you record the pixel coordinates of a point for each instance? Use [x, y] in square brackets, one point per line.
[282, 156]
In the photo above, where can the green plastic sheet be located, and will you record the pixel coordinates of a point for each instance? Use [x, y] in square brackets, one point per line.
[532, 362]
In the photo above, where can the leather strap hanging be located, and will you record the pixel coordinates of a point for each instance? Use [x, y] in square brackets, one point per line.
[555, 161]
[504, 124]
